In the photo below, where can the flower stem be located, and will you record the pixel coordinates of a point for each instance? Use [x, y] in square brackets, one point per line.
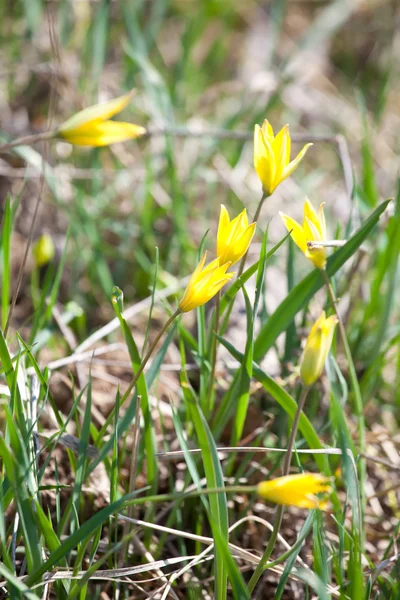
[214, 349]
[359, 406]
[242, 264]
[255, 220]
[279, 509]
[28, 140]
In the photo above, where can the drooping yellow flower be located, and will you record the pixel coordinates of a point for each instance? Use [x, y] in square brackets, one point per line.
[233, 237]
[92, 127]
[317, 347]
[312, 230]
[43, 250]
[204, 283]
[272, 156]
[296, 490]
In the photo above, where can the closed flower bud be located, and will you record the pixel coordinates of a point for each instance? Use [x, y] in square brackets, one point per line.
[317, 348]
[43, 250]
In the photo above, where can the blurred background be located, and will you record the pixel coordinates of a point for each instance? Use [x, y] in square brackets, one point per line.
[326, 68]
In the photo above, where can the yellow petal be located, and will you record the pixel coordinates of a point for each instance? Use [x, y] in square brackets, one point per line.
[294, 164]
[311, 215]
[97, 112]
[280, 147]
[267, 130]
[322, 222]
[264, 160]
[102, 133]
[297, 232]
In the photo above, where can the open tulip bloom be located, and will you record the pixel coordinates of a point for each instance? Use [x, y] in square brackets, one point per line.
[204, 283]
[296, 490]
[92, 127]
[312, 230]
[234, 237]
[272, 156]
[317, 348]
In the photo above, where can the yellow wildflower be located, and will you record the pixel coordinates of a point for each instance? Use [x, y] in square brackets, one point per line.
[296, 490]
[92, 127]
[43, 250]
[312, 230]
[233, 237]
[272, 156]
[316, 350]
[204, 283]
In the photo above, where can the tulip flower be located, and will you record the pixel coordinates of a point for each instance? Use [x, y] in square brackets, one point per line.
[272, 156]
[92, 127]
[312, 230]
[233, 237]
[204, 283]
[296, 490]
[317, 347]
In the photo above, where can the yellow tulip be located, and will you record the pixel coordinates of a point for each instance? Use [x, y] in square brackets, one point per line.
[204, 283]
[272, 156]
[317, 347]
[233, 237]
[43, 250]
[92, 127]
[296, 490]
[312, 230]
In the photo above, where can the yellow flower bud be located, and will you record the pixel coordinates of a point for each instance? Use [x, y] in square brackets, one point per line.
[296, 490]
[233, 237]
[43, 250]
[204, 283]
[272, 156]
[317, 347]
[92, 127]
[312, 230]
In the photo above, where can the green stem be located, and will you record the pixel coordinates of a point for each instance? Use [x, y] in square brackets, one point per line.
[242, 263]
[28, 140]
[279, 509]
[359, 406]
[214, 349]
[255, 220]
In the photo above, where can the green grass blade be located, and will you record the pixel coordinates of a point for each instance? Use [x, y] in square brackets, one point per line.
[5, 263]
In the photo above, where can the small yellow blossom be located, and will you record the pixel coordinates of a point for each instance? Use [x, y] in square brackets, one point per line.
[272, 156]
[233, 237]
[92, 127]
[296, 490]
[317, 347]
[312, 230]
[204, 283]
[43, 250]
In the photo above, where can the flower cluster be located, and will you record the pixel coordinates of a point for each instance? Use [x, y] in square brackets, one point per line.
[233, 240]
